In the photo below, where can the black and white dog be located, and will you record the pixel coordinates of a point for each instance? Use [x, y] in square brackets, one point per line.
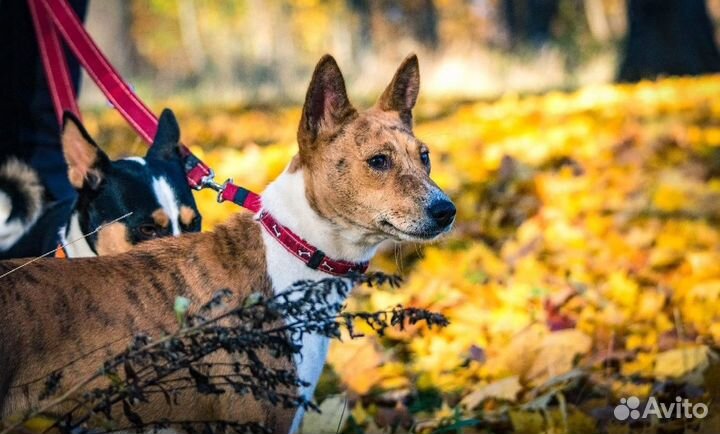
[153, 189]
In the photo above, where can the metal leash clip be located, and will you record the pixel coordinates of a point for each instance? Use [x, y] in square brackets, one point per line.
[208, 181]
[224, 185]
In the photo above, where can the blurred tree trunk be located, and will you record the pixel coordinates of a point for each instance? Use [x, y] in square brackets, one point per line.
[364, 13]
[362, 37]
[668, 37]
[190, 34]
[110, 23]
[529, 21]
[423, 15]
[597, 20]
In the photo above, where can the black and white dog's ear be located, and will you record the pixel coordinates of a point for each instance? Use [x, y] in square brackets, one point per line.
[166, 145]
[86, 162]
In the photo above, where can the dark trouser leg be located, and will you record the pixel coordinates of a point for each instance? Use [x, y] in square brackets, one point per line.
[28, 127]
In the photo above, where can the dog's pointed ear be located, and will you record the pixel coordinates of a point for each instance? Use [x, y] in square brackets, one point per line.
[402, 92]
[86, 162]
[327, 105]
[166, 145]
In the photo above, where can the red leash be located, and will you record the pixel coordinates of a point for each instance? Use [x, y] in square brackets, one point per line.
[53, 18]
[54, 62]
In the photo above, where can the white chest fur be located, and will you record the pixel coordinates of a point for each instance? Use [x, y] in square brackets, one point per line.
[285, 199]
[309, 363]
[75, 242]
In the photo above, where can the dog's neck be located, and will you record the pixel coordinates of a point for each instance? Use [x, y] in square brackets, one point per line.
[286, 200]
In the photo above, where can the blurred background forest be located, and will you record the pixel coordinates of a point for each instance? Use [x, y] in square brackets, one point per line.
[585, 263]
[258, 51]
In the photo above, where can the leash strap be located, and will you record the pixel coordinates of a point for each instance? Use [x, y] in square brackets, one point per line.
[66, 23]
[54, 62]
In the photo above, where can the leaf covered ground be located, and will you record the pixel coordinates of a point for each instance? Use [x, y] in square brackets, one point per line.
[584, 267]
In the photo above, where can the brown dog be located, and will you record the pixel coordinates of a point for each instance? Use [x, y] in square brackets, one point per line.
[359, 178]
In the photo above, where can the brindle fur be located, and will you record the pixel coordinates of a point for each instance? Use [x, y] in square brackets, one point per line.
[55, 311]
[49, 321]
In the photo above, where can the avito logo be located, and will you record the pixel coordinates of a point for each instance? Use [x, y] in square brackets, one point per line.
[681, 408]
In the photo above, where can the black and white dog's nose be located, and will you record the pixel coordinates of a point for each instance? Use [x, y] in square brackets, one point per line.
[442, 212]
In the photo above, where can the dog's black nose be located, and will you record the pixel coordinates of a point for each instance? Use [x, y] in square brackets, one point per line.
[442, 212]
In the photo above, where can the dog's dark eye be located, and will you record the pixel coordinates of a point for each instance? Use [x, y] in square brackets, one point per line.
[425, 158]
[148, 230]
[379, 162]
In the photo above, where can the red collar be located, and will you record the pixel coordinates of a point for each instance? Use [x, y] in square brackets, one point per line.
[306, 252]
[296, 246]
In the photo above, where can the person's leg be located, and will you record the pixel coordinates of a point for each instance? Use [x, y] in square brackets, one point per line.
[28, 127]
